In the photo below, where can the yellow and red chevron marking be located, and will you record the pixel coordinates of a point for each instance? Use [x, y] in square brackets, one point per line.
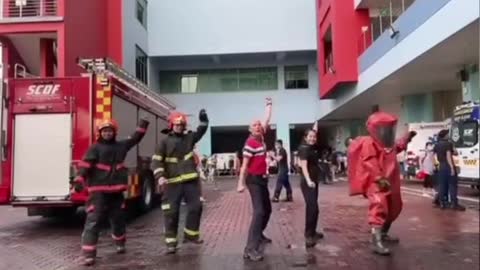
[103, 98]
[133, 186]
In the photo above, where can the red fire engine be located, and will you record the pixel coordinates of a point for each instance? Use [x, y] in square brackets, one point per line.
[50, 124]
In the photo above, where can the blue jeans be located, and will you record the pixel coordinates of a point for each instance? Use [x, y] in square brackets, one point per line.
[283, 181]
[448, 185]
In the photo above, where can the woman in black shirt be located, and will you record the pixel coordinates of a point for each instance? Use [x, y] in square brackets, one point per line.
[308, 160]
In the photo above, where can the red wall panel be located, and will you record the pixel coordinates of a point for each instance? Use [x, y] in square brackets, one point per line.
[344, 23]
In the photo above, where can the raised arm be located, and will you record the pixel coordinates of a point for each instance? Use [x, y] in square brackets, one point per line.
[138, 135]
[202, 126]
[315, 127]
[402, 143]
[268, 114]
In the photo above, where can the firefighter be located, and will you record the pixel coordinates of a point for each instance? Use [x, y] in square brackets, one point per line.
[104, 175]
[174, 167]
[375, 174]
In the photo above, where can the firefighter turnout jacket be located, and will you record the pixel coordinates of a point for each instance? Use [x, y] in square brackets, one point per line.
[174, 156]
[103, 168]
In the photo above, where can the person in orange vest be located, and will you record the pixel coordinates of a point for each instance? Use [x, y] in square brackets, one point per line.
[104, 175]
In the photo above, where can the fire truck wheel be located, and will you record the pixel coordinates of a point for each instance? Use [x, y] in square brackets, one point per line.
[148, 193]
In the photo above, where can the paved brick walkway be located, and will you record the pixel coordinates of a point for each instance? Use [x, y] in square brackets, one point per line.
[431, 238]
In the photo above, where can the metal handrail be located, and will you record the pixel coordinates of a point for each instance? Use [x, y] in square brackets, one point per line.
[30, 8]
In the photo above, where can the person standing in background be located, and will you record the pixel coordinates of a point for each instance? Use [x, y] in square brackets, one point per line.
[447, 175]
[428, 167]
[282, 181]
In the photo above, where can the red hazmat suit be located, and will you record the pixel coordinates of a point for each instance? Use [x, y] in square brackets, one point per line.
[374, 158]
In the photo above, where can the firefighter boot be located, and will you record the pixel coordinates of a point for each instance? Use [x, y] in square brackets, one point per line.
[196, 241]
[88, 261]
[120, 248]
[171, 249]
[388, 238]
[89, 258]
[377, 244]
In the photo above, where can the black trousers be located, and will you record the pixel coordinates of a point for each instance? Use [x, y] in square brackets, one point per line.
[283, 181]
[99, 206]
[262, 209]
[171, 202]
[310, 195]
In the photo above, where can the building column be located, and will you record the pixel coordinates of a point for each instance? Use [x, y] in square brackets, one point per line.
[47, 58]
[205, 144]
[418, 108]
[283, 133]
[470, 84]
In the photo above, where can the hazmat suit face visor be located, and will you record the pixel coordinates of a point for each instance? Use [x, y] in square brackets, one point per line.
[385, 134]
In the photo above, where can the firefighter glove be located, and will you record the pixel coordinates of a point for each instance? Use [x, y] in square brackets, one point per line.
[383, 184]
[202, 116]
[78, 184]
[143, 123]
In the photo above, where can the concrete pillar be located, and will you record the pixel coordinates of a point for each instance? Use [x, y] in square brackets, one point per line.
[47, 58]
[470, 84]
[418, 108]
[283, 133]
[205, 144]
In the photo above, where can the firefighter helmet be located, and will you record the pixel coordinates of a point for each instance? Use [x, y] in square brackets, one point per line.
[106, 123]
[177, 118]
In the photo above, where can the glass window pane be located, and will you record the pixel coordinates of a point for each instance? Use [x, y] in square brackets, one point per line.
[228, 80]
[296, 77]
[189, 83]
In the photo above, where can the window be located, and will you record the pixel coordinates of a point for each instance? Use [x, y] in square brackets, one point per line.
[141, 70]
[189, 83]
[328, 51]
[141, 11]
[296, 77]
[219, 80]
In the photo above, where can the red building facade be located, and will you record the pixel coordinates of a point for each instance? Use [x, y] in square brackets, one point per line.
[341, 30]
[44, 37]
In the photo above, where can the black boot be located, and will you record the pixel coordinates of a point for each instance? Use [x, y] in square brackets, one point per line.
[266, 240]
[319, 235]
[289, 198]
[386, 237]
[458, 207]
[88, 261]
[195, 240]
[252, 255]
[120, 249]
[89, 258]
[377, 244]
[171, 250]
[310, 242]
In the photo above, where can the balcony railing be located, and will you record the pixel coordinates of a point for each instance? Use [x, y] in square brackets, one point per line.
[28, 8]
[382, 21]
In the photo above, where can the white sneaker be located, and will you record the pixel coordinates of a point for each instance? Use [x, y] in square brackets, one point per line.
[425, 194]
[202, 199]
